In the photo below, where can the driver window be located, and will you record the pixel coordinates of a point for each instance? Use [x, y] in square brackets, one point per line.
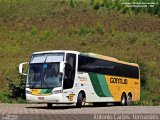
[52, 73]
[69, 71]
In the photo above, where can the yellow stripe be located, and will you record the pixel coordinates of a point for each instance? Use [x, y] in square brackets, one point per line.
[36, 91]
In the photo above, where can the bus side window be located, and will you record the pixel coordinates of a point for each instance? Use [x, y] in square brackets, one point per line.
[69, 71]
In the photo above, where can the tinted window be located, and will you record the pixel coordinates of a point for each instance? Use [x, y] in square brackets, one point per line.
[88, 64]
[69, 71]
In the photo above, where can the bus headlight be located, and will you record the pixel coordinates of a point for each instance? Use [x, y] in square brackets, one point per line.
[57, 91]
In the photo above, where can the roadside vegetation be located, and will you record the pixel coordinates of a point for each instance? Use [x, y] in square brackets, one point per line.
[98, 26]
[129, 6]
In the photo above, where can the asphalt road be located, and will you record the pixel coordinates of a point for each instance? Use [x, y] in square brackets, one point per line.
[40, 111]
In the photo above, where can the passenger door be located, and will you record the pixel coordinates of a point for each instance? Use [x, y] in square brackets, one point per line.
[69, 77]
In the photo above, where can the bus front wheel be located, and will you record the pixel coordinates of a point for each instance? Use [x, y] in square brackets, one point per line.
[80, 100]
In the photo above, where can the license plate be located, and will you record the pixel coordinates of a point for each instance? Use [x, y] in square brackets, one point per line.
[40, 98]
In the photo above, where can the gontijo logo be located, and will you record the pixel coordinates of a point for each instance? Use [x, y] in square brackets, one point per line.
[118, 80]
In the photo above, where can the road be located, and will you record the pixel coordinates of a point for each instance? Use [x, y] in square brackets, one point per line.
[88, 112]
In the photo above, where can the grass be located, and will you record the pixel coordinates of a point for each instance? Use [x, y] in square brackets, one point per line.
[5, 98]
[29, 26]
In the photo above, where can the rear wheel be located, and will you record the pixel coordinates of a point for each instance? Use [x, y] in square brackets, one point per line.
[123, 99]
[80, 100]
[49, 105]
[129, 99]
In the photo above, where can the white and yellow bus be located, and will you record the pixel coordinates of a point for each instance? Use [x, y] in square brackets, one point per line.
[63, 76]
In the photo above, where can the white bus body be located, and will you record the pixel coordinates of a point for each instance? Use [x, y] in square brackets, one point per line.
[54, 77]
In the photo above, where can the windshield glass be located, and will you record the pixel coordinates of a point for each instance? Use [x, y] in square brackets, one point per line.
[50, 57]
[44, 75]
[44, 70]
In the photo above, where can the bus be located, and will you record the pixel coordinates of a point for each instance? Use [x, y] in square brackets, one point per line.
[72, 77]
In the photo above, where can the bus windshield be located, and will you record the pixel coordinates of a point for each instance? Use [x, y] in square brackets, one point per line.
[44, 75]
[44, 70]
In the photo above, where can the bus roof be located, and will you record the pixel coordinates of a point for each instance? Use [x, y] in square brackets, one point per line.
[89, 55]
[53, 51]
[109, 59]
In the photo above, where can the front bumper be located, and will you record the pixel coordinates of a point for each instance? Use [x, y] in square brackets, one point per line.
[55, 98]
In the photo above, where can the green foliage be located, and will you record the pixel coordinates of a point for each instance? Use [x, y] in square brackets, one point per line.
[149, 89]
[99, 28]
[62, 1]
[83, 30]
[132, 39]
[124, 10]
[19, 100]
[97, 4]
[112, 29]
[44, 35]
[34, 31]
[4, 98]
[143, 72]
[144, 97]
[71, 3]
[156, 100]
[117, 5]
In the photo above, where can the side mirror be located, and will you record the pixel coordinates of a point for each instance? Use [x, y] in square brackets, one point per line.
[21, 68]
[62, 66]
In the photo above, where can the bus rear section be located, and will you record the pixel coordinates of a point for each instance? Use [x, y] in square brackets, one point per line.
[112, 80]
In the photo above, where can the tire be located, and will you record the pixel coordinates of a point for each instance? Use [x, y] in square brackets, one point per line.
[49, 105]
[80, 100]
[123, 100]
[129, 100]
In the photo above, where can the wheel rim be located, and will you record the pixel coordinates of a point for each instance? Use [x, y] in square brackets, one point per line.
[129, 99]
[123, 100]
[83, 101]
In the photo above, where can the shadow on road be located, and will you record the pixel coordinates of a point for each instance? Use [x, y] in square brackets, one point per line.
[62, 107]
[53, 107]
